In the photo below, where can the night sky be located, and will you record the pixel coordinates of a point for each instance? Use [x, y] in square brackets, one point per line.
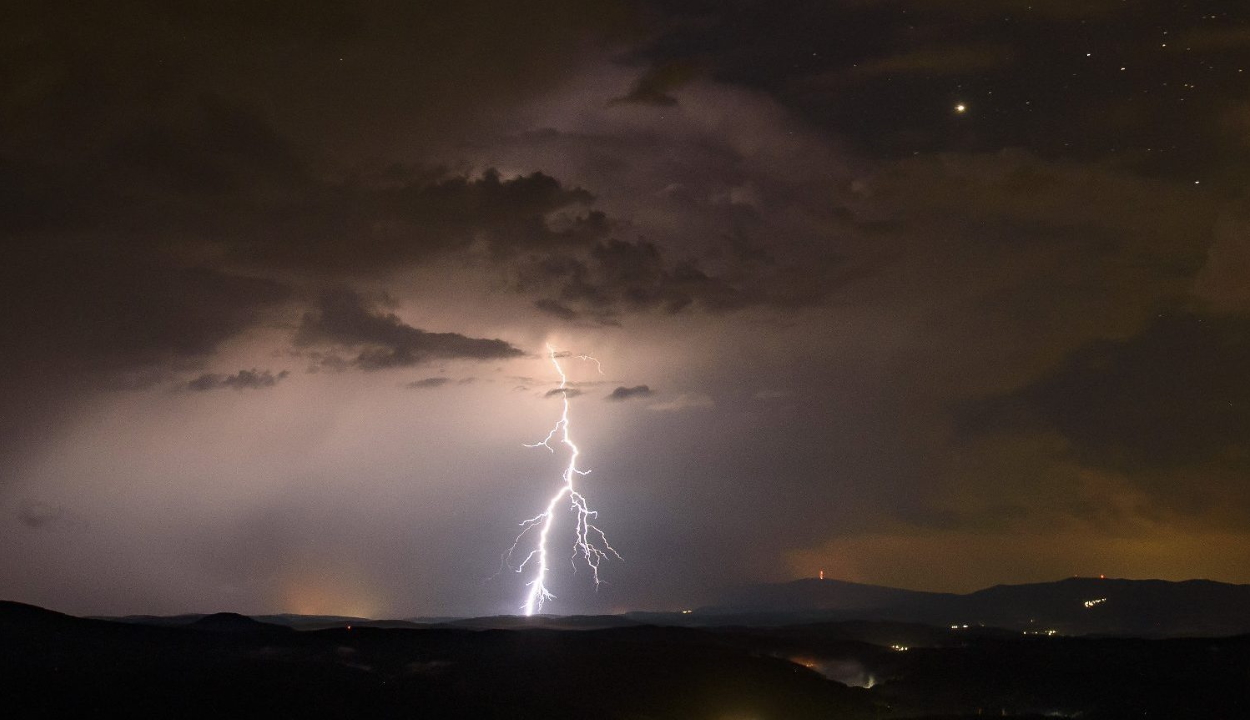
[930, 293]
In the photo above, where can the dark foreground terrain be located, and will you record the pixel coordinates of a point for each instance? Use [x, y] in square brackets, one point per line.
[229, 666]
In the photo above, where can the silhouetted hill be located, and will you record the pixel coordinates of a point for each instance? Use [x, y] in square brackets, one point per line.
[811, 594]
[54, 666]
[193, 671]
[547, 622]
[21, 615]
[234, 623]
[1075, 606]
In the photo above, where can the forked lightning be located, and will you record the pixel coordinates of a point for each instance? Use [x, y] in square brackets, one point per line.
[589, 542]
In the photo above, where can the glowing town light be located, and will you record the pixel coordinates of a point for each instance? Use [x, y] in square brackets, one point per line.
[1092, 603]
[589, 542]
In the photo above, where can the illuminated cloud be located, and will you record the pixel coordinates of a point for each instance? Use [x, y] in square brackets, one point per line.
[562, 392]
[343, 318]
[242, 380]
[626, 393]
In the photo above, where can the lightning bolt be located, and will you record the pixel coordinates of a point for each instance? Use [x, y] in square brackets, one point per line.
[589, 542]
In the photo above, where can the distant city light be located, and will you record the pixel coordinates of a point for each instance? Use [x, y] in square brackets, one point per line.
[1092, 603]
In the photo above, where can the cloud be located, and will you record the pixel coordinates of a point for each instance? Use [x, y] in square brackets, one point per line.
[566, 392]
[1171, 397]
[618, 276]
[409, 216]
[120, 312]
[1221, 285]
[427, 383]
[552, 307]
[626, 393]
[242, 380]
[724, 206]
[344, 319]
[657, 82]
[81, 317]
[685, 401]
[37, 514]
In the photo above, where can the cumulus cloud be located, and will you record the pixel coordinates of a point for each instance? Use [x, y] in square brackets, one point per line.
[626, 393]
[381, 340]
[242, 380]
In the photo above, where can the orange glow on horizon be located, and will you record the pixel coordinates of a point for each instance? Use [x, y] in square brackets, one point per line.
[326, 593]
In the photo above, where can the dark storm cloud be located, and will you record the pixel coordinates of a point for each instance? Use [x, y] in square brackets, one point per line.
[1172, 397]
[242, 380]
[626, 393]
[76, 318]
[428, 383]
[72, 307]
[182, 127]
[186, 164]
[417, 217]
[163, 168]
[551, 307]
[343, 318]
[618, 276]
[656, 83]
[144, 148]
[327, 70]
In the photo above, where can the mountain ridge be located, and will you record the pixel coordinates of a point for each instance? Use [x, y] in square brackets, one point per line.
[1071, 606]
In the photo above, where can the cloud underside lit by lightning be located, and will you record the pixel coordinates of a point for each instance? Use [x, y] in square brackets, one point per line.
[590, 545]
